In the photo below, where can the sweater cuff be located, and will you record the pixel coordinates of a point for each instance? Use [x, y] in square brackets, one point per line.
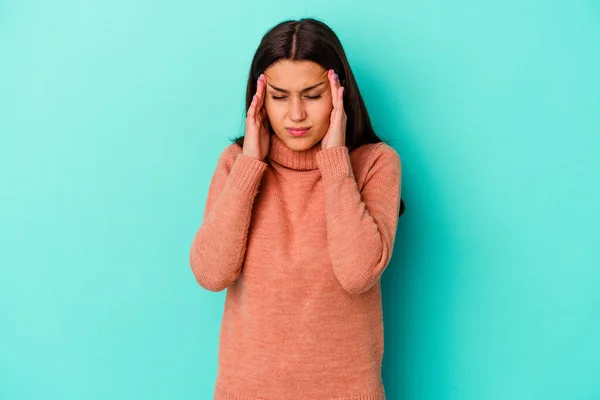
[334, 162]
[246, 173]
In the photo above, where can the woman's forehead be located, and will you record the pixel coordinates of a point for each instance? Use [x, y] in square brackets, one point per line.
[295, 75]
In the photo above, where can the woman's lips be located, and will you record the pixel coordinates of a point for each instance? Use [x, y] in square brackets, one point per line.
[298, 132]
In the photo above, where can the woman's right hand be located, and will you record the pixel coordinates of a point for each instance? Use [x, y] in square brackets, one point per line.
[257, 136]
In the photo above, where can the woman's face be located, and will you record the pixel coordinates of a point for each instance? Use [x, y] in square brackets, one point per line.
[298, 95]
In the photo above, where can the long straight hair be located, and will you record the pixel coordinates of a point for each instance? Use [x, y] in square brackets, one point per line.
[312, 40]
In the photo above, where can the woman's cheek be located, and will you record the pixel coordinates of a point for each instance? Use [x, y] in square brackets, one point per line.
[322, 112]
[274, 116]
[271, 112]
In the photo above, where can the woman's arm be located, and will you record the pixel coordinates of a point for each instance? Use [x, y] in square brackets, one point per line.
[219, 246]
[361, 225]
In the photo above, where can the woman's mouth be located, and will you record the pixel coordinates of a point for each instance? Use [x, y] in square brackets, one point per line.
[298, 132]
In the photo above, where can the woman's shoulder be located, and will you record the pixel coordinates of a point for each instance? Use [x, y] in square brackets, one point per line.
[227, 157]
[230, 152]
[371, 153]
[373, 159]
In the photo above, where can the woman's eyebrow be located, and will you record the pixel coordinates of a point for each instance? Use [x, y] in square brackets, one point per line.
[303, 90]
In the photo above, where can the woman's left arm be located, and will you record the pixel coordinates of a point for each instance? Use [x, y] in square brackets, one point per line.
[361, 225]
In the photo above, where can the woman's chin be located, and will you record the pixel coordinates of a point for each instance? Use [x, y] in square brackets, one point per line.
[300, 143]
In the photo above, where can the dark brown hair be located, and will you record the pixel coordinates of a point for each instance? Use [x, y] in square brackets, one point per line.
[312, 40]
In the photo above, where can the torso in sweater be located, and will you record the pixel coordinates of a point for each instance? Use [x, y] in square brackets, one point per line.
[303, 315]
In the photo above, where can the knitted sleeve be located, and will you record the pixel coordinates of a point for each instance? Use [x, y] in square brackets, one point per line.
[361, 224]
[219, 246]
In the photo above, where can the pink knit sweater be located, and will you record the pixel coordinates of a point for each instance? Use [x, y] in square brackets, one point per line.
[300, 242]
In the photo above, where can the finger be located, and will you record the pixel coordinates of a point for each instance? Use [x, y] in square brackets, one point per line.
[257, 92]
[338, 111]
[340, 102]
[265, 119]
[252, 108]
[260, 90]
[262, 114]
[333, 85]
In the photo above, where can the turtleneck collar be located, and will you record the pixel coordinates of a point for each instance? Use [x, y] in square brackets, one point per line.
[303, 160]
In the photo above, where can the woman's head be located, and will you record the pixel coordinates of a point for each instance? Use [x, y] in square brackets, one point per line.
[298, 95]
[295, 55]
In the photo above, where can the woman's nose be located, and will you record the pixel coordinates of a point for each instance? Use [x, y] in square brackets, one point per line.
[296, 111]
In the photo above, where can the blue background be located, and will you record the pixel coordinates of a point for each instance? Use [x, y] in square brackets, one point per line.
[112, 117]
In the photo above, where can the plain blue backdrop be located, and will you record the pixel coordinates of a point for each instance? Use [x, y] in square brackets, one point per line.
[112, 117]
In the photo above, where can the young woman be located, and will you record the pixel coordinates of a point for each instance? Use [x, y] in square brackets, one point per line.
[299, 225]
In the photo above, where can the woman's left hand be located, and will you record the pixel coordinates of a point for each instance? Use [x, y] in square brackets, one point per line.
[336, 134]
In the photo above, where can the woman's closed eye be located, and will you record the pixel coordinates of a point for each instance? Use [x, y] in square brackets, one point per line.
[283, 97]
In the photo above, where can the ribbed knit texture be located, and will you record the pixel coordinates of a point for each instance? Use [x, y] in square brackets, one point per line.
[299, 241]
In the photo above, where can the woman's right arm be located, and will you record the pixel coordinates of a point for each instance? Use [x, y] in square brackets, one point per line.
[219, 246]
